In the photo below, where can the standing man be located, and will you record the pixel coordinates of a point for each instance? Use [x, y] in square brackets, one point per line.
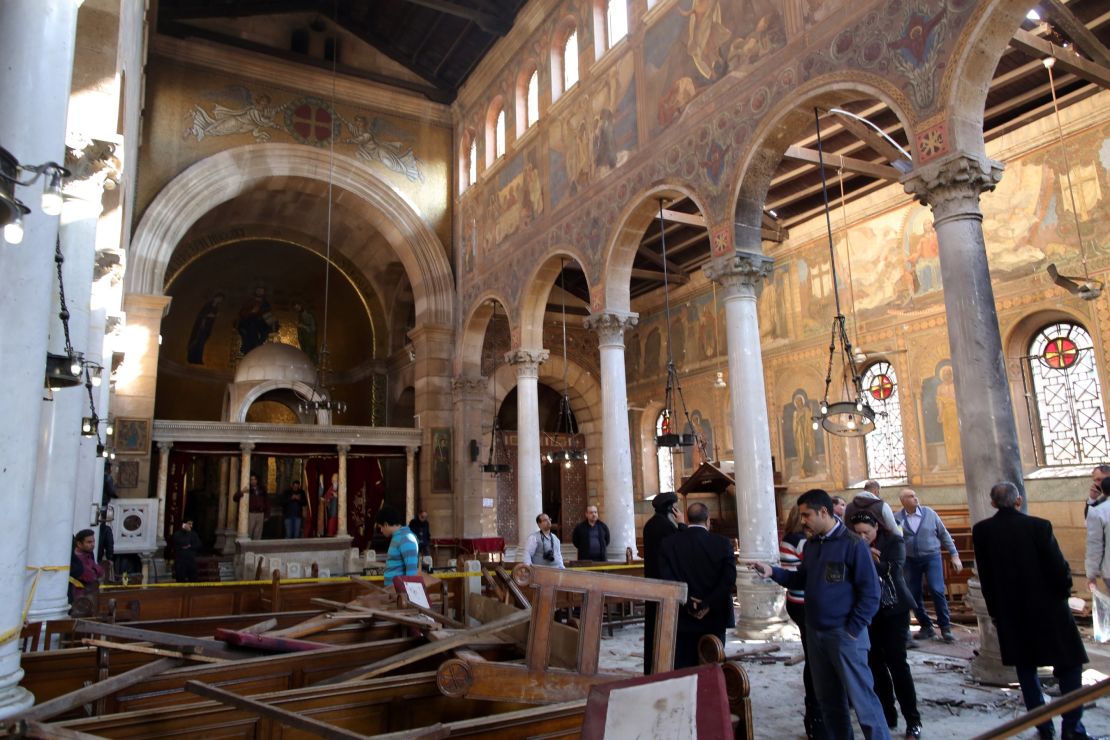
[403, 556]
[423, 531]
[1026, 583]
[869, 500]
[839, 507]
[542, 547]
[84, 572]
[662, 525]
[706, 564]
[925, 535]
[186, 544]
[842, 596]
[258, 508]
[1095, 495]
[293, 510]
[591, 537]
[1098, 541]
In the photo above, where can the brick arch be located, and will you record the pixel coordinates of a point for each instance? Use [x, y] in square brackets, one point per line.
[533, 301]
[473, 335]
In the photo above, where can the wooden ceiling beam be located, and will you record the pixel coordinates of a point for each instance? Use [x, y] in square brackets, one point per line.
[672, 277]
[198, 9]
[488, 22]
[838, 161]
[689, 219]
[649, 254]
[869, 136]
[1037, 47]
[1077, 31]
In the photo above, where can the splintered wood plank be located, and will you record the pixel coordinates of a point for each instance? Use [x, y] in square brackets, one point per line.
[268, 643]
[98, 690]
[138, 647]
[201, 646]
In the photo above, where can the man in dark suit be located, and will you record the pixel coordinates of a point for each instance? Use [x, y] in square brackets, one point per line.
[662, 525]
[1026, 583]
[706, 563]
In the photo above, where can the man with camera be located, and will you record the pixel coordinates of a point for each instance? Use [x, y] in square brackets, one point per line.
[542, 547]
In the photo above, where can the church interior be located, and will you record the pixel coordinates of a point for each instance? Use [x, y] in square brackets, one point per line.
[790, 245]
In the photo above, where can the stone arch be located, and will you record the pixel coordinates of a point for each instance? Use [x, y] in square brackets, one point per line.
[613, 292]
[237, 408]
[967, 80]
[225, 175]
[533, 301]
[780, 128]
[473, 335]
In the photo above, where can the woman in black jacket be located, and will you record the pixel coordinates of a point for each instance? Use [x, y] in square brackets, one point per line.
[888, 629]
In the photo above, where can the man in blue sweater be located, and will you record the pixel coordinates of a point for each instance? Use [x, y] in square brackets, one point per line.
[925, 535]
[842, 595]
[403, 557]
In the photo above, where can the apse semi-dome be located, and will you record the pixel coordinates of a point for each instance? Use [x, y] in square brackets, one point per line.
[274, 361]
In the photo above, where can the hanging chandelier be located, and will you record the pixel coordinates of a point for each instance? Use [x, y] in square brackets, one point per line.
[850, 416]
[673, 398]
[491, 467]
[566, 423]
[12, 210]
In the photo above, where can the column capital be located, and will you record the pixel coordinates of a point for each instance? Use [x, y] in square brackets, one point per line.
[410, 451]
[343, 449]
[951, 185]
[246, 446]
[469, 387]
[610, 326]
[527, 361]
[164, 446]
[95, 167]
[740, 273]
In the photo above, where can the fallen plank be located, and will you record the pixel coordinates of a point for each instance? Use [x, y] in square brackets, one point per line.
[281, 716]
[441, 618]
[267, 643]
[40, 731]
[98, 690]
[459, 639]
[200, 645]
[514, 589]
[319, 623]
[257, 629]
[138, 647]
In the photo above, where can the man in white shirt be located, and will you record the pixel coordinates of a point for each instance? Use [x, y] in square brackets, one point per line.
[542, 547]
[1098, 540]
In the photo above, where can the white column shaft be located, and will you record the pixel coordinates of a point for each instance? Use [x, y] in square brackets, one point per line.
[529, 479]
[90, 467]
[243, 530]
[163, 487]
[342, 530]
[410, 484]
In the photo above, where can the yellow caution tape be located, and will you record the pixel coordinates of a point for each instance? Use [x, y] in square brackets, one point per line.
[9, 635]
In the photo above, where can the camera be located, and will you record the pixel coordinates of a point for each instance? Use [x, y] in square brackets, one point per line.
[549, 556]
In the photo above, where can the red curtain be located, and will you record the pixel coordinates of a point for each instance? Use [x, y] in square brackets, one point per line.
[365, 493]
[175, 493]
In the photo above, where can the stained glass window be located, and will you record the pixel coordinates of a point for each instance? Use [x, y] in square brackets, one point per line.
[664, 455]
[886, 448]
[1067, 395]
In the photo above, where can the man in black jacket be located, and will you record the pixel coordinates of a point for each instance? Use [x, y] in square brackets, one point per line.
[1026, 583]
[186, 543]
[706, 564]
[591, 537]
[662, 525]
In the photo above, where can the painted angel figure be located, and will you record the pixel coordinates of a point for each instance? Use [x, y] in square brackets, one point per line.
[254, 119]
[395, 155]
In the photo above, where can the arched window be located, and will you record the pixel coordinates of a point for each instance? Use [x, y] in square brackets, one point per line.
[616, 21]
[499, 134]
[663, 455]
[1067, 395]
[886, 448]
[532, 100]
[472, 162]
[570, 61]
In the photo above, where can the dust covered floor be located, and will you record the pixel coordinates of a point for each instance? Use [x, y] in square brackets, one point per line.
[951, 703]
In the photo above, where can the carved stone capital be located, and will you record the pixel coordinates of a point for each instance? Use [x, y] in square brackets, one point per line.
[108, 262]
[165, 447]
[469, 388]
[610, 326]
[527, 361]
[246, 447]
[94, 168]
[951, 185]
[343, 449]
[740, 273]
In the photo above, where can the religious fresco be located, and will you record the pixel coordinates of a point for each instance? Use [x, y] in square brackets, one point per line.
[694, 329]
[701, 425]
[803, 447]
[940, 424]
[519, 198]
[590, 141]
[689, 49]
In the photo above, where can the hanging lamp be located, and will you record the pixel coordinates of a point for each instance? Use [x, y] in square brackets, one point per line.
[668, 437]
[495, 430]
[320, 398]
[851, 416]
[63, 371]
[566, 423]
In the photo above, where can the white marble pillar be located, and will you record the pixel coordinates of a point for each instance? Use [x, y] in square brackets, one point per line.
[616, 449]
[410, 484]
[343, 450]
[761, 604]
[164, 449]
[470, 395]
[231, 520]
[90, 467]
[56, 477]
[36, 61]
[221, 496]
[243, 531]
[988, 433]
[529, 479]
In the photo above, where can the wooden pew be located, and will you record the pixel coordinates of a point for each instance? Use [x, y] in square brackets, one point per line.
[957, 519]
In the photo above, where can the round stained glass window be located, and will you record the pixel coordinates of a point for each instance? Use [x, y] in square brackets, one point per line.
[1060, 353]
[882, 387]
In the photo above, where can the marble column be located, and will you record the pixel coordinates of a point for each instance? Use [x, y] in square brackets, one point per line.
[341, 531]
[243, 530]
[36, 61]
[616, 449]
[529, 480]
[988, 433]
[231, 521]
[221, 496]
[470, 395]
[164, 449]
[761, 604]
[56, 479]
[410, 484]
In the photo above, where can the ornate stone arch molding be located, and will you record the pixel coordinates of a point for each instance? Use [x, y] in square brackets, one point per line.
[239, 411]
[613, 291]
[984, 39]
[225, 175]
[584, 394]
[781, 127]
[473, 336]
[533, 300]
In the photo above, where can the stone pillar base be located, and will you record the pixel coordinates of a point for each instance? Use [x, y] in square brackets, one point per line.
[15, 700]
[986, 667]
[225, 541]
[761, 607]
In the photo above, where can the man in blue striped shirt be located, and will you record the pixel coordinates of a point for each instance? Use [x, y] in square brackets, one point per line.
[403, 557]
